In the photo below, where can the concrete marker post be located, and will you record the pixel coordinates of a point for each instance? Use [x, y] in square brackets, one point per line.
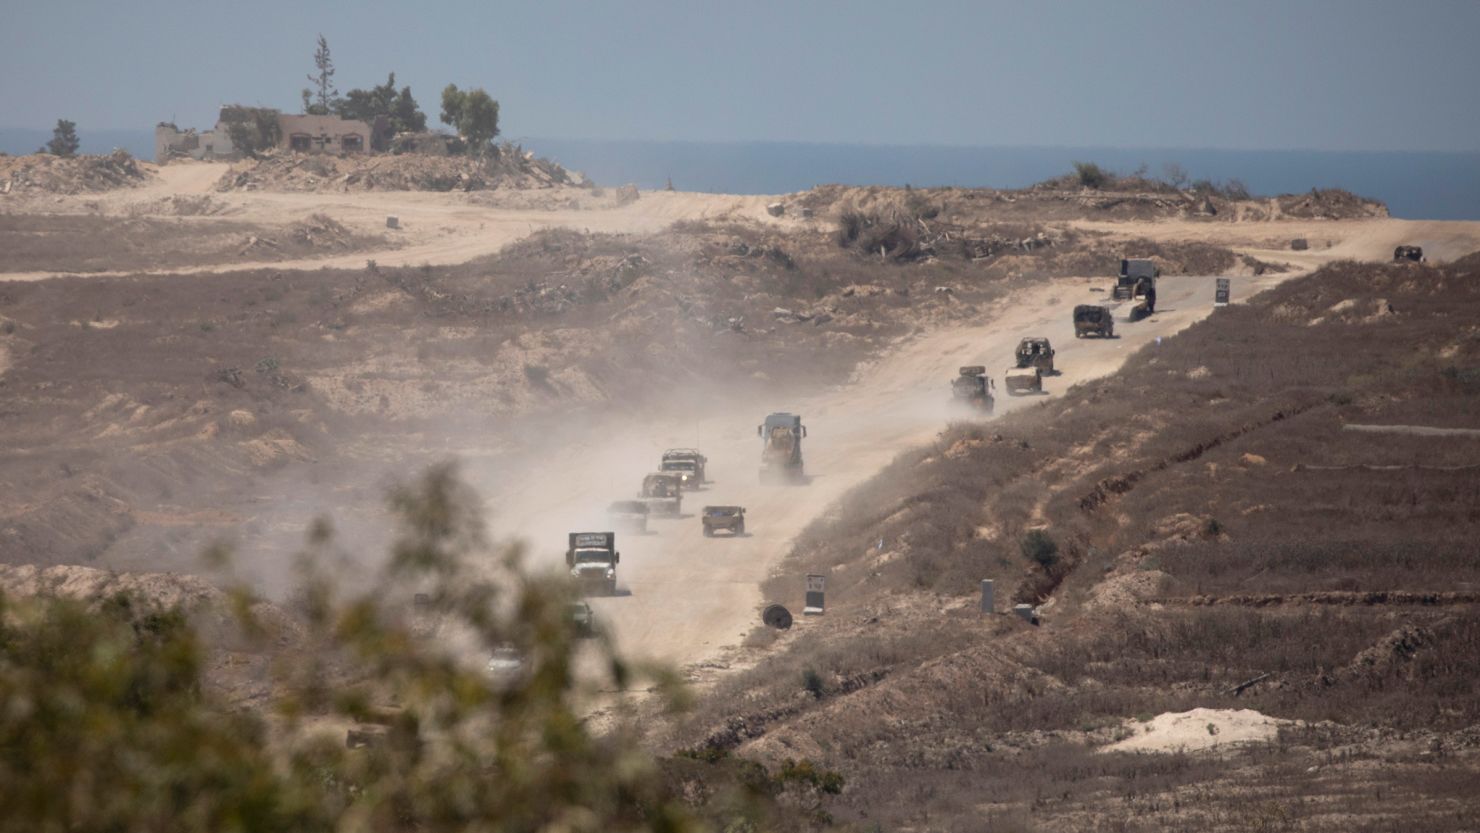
[814, 602]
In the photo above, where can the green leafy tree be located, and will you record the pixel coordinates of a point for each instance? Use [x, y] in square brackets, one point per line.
[406, 115]
[111, 698]
[473, 114]
[367, 104]
[252, 130]
[321, 100]
[1091, 175]
[400, 108]
[64, 140]
[106, 723]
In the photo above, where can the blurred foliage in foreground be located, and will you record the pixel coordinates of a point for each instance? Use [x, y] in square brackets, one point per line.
[105, 724]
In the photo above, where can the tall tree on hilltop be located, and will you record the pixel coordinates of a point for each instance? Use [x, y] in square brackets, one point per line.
[323, 102]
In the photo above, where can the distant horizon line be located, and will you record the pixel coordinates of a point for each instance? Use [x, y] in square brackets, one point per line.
[885, 145]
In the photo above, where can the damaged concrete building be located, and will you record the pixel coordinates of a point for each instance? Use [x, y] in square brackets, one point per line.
[298, 133]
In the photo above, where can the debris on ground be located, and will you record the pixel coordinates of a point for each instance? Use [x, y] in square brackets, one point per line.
[70, 174]
[182, 205]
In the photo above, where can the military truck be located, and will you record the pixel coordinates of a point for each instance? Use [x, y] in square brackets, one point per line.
[1137, 283]
[729, 518]
[592, 558]
[781, 448]
[972, 388]
[662, 491]
[1405, 254]
[628, 516]
[687, 463]
[1035, 351]
[1021, 380]
[1137, 274]
[1090, 319]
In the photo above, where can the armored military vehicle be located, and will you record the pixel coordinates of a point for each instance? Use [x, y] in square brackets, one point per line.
[1090, 319]
[1021, 380]
[728, 518]
[1137, 283]
[972, 388]
[1035, 351]
[662, 491]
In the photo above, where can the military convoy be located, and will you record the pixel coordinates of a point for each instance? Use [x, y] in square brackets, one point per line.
[1035, 351]
[1137, 274]
[592, 558]
[688, 464]
[1137, 283]
[1022, 380]
[973, 388]
[1090, 319]
[730, 519]
[662, 491]
[781, 448]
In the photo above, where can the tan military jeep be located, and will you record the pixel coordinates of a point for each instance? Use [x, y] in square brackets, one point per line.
[728, 518]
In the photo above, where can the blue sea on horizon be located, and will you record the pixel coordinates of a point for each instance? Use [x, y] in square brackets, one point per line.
[1433, 186]
[1415, 185]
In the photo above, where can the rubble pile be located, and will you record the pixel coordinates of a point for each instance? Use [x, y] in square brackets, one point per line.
[70, 174]
[507, 167]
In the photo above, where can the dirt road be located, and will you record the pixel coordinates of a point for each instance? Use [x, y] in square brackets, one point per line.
[684, 597]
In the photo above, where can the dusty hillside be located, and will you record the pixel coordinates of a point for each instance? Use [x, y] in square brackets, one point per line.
[1130, 200]
[44, 173]
[148, 414]
[1220, 537]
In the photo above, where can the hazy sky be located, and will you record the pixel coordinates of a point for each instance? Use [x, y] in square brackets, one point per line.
[1321, 74]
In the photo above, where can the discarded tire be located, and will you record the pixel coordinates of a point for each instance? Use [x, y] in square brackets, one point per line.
[777, 617]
